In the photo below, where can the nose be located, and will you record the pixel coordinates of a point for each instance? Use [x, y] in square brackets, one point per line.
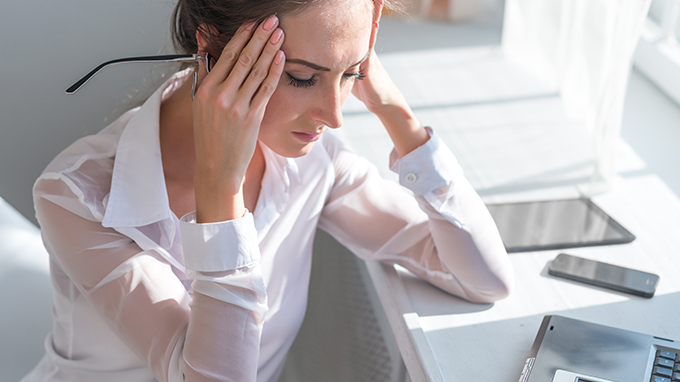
[327, 109]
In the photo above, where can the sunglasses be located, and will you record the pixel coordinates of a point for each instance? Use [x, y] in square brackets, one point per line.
[162, 58]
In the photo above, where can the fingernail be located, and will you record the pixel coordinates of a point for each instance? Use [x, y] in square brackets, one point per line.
[250, 26]
[276, 36]
[270, 23]
[279, 57]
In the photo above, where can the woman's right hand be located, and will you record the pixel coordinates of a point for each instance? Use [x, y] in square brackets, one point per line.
[227, 112]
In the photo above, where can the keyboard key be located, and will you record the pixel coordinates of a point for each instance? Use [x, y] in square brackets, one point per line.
[656, 378]
[665, 362]
[666, 354]
[677, 366]
[676, 377]
[662, 371]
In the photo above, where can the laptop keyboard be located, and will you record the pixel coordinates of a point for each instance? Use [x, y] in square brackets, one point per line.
[666, 366]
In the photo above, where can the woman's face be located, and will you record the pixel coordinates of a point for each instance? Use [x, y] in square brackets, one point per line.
[324, 46]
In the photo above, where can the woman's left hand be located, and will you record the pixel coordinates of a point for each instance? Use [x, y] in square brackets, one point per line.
[382, 97]
[376, 90]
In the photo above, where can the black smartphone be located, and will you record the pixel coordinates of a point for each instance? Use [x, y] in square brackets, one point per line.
[604, 275]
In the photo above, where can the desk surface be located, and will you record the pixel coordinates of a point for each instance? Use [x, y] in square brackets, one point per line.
[498, 125]
[444, 338]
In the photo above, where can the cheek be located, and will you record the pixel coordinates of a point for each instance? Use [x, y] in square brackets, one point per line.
[284, 106]
[278, 103]
[346, 89]
[288, 102]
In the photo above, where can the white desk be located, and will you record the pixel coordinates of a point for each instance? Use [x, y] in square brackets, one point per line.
[443, 338]
[508, 132]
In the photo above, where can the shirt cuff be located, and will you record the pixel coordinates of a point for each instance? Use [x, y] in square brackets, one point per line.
[220, 246]
[426, 168]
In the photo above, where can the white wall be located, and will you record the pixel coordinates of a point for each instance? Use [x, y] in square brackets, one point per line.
[48, 45]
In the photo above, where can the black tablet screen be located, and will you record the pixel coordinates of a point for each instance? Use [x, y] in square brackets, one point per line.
[555, 224]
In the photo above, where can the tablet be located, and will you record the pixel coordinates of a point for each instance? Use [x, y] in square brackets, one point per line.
[556, 224]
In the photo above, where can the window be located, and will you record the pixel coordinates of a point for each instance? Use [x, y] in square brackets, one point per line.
[658, 52]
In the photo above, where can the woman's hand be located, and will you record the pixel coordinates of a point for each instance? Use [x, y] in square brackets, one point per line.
[227, 112]
[382, 97]
[376, 90]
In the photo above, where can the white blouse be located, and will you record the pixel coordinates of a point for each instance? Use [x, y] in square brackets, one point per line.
[140, 295]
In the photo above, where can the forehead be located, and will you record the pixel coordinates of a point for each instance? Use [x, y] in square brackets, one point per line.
[333, 34]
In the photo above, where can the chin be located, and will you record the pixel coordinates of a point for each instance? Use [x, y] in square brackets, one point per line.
[292, 152]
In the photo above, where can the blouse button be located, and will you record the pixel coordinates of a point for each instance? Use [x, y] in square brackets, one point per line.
[410, 178]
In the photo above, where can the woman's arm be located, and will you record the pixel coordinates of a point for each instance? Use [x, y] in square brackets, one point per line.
[137, 293]
[382, 98]
[445, 234]
[227, 113]
[213, 332]
[442, 231]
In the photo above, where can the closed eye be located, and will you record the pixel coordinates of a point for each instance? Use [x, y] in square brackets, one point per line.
[300, 82]
[311, 81]
[358, 76]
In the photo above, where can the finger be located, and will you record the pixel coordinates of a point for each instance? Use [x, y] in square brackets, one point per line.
[262, 67]
[251, 53]
[268, 86]
[227, 59]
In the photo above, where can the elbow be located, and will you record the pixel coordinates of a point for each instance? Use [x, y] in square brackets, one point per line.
[496, 281]
[496, 288]
[488, 296]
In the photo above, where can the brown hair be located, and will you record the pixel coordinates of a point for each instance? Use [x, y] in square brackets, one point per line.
[226, 16]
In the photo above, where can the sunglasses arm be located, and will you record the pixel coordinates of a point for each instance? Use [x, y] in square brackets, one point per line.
[163, 58]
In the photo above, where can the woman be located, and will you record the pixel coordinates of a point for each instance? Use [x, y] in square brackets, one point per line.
[240, 156]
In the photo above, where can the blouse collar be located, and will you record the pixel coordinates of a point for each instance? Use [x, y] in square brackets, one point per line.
[138, 195]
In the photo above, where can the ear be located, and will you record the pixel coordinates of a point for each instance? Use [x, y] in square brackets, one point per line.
[202, 33]
[377, 10]
[374, 33]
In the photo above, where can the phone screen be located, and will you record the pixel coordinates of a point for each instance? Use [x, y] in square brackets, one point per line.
[604, 275]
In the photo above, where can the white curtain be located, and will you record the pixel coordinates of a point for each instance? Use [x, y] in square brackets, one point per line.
[584, 49]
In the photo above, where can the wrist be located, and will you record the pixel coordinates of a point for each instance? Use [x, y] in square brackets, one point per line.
[391, 101]
[393, 111]
[403, 127]
[218, 201]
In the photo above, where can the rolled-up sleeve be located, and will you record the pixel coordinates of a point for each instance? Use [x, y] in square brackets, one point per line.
[426, 168]
[222, 256]
[223, 259]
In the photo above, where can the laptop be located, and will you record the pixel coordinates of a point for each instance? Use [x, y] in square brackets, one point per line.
[569, 350]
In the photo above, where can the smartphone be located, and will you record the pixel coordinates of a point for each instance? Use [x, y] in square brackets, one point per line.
[604, 275]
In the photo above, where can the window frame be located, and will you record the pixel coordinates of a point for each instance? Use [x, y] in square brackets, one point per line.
[657, 55]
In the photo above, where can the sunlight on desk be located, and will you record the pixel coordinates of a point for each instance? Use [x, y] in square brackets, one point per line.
[495, 116]
[514, 142]
[548, 293]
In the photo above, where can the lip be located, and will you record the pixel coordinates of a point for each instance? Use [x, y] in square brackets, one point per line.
[307, 137]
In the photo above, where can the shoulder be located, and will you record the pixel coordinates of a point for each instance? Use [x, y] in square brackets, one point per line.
[331, 144]
[79, 177]
[338, 150]
[346, 163]
[102, 144]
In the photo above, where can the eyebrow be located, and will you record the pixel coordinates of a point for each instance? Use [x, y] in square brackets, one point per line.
[319, 67]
